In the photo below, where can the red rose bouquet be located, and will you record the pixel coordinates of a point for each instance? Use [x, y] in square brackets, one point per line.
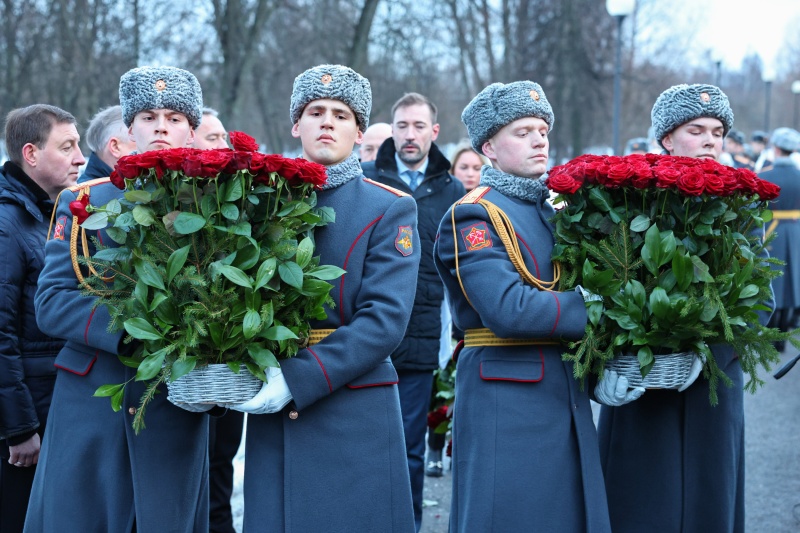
[215, 260]
[674, 246]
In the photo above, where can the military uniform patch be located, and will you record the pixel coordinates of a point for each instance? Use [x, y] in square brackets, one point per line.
[61, 223]
[403, 242]
[476, 237]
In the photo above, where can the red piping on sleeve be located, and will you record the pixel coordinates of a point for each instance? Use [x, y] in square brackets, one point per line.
[525, 244]
[330, 387]
[86, 331]
[558, 313]
[344, 267]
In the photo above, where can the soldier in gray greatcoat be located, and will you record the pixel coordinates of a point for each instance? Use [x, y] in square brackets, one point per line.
[524, 444]
[95, 474]
[673, 462]
[786, 224]
[324, 447]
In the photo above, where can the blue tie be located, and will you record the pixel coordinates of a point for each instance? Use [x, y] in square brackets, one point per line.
[414, 177]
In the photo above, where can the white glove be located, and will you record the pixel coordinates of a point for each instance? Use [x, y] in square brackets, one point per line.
[588, 296]
[613, 390]
[697, 365]
[193, 407]
[273, 396]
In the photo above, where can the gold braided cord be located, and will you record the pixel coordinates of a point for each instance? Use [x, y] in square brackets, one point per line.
[73, 249]
[315, 336]
[505, 229]
[485, 337]
[784, 214]
[455, 243]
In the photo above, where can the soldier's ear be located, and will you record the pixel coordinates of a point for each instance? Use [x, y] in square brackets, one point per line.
[295, 130]
[666, 142]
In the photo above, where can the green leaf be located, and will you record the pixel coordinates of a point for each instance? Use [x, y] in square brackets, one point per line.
[646, 359]
[659, 248]
[251, 324]
[236, 275]
[113, 254]
[683, 270]
[117, 235]
[149, 275]
[108, 390]
[116, 400]
[262, 356]
[230, 211]
[242, 228]
[248, 256]
[640, 223]
[265, 272]
[279, 333]
[96, 221]
[208, 206]
[659, 303]
[138, 196]
[326, 272]
[233, 191]
[181, 367]
[748, 292]
[701, 270]
[151, 366]
[291, 274]
[188, 223]
[157, 300]
[176, 261]
[144, 215]
[304, 252]
[141, 329]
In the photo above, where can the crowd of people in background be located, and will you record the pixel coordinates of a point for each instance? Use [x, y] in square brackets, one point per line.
[526, 453]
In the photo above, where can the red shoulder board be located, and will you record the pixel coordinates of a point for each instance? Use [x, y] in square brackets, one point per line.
[473, 196]
[398, 192]
[91, 183]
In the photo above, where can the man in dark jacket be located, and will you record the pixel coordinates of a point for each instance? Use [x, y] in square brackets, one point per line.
[44, 158]
[411, 162]
[108, 139]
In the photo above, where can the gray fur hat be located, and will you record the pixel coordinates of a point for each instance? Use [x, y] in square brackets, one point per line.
[787, 139]
[681, 103]
[160, 88]
[500, 104]
[336, 82]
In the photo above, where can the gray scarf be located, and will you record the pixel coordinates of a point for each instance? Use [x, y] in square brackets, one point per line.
[529, 189]
[341, 173]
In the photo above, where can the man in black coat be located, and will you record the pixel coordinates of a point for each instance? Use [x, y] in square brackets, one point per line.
[411, 162]
[44, 158]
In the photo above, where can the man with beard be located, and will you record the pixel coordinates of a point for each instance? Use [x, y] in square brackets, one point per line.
[411, 161]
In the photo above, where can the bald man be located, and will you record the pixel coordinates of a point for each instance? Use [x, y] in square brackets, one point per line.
[373, 138]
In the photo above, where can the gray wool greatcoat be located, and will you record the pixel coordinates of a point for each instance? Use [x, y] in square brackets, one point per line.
[525, 450]
[786, 245]
[334, 459]
[94, 473]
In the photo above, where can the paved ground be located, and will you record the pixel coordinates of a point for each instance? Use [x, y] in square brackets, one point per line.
[772, 447]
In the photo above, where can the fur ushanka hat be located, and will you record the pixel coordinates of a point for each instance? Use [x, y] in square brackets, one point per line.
[172, 88]
[336, 82]
[681, 103]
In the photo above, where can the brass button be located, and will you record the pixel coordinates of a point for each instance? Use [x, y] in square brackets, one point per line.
[132, 410]
[293, 414]
[535, 95]
[326, 79]
[160, 85]
[705, 97]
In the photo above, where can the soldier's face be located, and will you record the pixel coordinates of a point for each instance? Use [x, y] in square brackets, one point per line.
[210, 134]
[701, 137]
[56, 165]
[328, 131]
[413, 132]
[520, 148]
[160, 129]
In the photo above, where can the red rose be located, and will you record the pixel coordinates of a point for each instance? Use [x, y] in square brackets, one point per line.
[715, 185]
[642, 174]
[273, 162]
[437, 417]
[666, 175]
[239, 161]
[149, 160]
[767, 190]
[692, 182]
[126, 167]
[747, 180]
[314, 173]
[243, 142]
[173, 159]
[563, 183]
[117, 180]
[619, 175]
[290, 170]
[595, 169]
[78, 208]
[206, 163]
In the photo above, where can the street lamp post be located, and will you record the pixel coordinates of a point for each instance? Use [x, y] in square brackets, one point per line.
[768, 75]
[618, 9]
[796, 92]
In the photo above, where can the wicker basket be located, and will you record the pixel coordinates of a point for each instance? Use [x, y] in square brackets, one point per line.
[214, 383]
[669, 371]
